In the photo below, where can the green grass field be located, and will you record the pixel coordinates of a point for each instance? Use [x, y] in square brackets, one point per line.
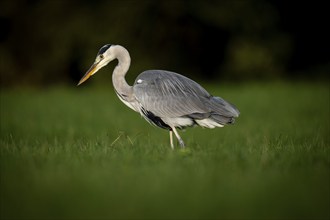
[79, 153]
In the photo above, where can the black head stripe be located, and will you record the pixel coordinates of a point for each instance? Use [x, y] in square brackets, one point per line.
[104, 48]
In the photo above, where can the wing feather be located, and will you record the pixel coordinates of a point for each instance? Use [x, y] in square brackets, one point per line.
[168, 94]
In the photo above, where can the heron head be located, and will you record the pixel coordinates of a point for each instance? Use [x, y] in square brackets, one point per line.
[104, 56]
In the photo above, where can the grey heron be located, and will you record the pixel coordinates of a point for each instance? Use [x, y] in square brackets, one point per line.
[165, 99]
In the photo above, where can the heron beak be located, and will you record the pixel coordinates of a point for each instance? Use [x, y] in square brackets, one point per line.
[89, 73]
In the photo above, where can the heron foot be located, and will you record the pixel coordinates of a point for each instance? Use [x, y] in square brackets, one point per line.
[181, 143]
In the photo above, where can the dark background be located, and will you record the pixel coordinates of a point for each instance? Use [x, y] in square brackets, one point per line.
[52, 42]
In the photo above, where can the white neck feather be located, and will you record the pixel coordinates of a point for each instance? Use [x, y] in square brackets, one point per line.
[118, 76]
[123, 90]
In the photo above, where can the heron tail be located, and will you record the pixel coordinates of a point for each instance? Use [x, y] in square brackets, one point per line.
[222, 111]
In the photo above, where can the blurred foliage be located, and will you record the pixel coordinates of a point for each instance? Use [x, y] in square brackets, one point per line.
[45, 42]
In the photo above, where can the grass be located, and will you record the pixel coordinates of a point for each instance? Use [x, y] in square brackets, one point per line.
[78, 153]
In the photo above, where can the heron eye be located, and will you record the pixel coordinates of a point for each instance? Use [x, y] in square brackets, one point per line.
[101, 56]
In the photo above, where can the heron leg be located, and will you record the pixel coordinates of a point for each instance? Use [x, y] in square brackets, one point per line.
[178, 137]
[171, 139]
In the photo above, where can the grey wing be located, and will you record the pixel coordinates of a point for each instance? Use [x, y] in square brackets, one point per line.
[168, 94]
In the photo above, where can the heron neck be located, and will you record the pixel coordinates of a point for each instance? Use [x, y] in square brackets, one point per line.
[118, 76]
